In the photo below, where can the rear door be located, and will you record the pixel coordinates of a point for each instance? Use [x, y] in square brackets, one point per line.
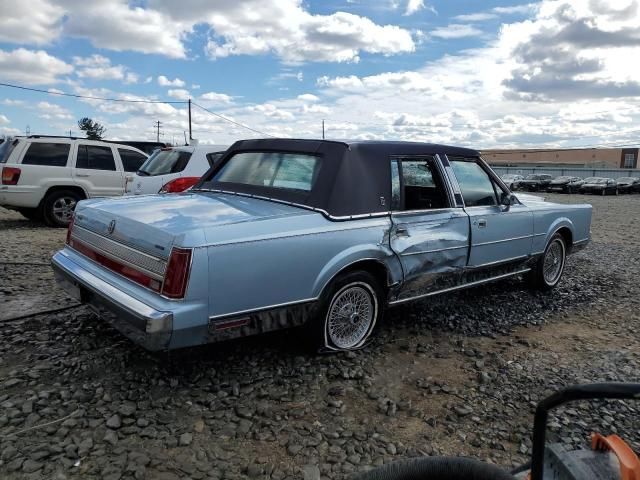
[499, 234]
[98, 171]
[429, 235]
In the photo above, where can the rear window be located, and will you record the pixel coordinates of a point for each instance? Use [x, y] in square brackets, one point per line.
[6, 148]
[94, 157]
[163, 162]
[131, 160]
[47, 154]
[291, 171]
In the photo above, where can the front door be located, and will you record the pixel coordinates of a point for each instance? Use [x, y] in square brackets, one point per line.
[499, 234]
[430, 237]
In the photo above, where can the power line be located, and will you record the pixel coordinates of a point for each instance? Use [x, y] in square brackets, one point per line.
[106, 99]
[226, 119]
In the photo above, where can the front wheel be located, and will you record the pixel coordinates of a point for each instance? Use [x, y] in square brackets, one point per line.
[349, 310]
[548, 270]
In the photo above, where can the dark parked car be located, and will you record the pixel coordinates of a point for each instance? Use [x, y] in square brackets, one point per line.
[629, 185]
[512, 180]
[600, 186]
[565, 184]
[536, 182]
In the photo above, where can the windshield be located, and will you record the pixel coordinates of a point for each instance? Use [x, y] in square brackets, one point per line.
[563, 179]
[162, 162]
[532, 177]
[291, 171]
[627, 180]
[6, 148]
[590, 179]
[600, 180]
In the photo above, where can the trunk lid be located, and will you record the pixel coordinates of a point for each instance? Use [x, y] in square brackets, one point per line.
[154, 223]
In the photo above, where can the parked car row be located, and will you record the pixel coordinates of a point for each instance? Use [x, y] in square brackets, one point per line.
[44, 177]
[571, 184]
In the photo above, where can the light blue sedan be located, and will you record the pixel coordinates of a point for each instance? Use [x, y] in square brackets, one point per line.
[284, 233]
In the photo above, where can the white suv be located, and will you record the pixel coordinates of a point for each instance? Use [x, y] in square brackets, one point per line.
[174, 169]
[44, 177]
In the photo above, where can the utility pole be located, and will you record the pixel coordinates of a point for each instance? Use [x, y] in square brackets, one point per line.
[158, 130]
[323, 128]
[28, 131]
[190, 136]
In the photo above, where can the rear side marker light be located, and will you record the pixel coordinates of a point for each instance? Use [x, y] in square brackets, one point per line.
[177, 273]
[10, 175]
[70, 229]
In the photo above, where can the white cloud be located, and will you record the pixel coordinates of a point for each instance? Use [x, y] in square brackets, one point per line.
[496, 12]
[285, 28]
[32, 67]
[476, 17]
[51, 111]
[271, 111]
[179, 93]
[216, 97]
[308, 97]
[4, 120]
[195, 86]
[456, 30]
[35, 22]
[98, 67]
[413, 6]
[165, 82]
[289, 31]
[12, 103]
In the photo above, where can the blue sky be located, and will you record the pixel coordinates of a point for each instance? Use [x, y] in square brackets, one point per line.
[484, 74]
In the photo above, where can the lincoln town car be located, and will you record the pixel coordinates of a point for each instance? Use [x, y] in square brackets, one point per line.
[317, 234]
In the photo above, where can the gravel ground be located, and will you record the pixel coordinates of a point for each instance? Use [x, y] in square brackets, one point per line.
[457, 375]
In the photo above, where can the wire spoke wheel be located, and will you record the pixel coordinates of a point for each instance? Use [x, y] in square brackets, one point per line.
[351, 315]
[553, 262]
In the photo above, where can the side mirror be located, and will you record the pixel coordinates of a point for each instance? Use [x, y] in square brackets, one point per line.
[506, 200]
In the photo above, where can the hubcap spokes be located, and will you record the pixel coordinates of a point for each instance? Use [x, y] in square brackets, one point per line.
[350, 317]
[553, 262]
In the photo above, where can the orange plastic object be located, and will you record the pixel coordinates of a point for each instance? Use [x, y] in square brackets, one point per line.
[629, 461]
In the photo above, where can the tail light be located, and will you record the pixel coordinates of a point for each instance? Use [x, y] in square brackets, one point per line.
[179, 184]
[177, 273]
[10, 175]
[70, 228]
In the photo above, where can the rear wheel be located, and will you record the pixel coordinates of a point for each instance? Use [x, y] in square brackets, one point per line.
[549, 268]
[58, 207]
[349, 310]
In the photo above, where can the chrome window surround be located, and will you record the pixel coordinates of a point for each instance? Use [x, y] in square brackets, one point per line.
[152, 266]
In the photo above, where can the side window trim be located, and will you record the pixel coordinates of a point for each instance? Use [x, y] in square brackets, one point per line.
[493, 180]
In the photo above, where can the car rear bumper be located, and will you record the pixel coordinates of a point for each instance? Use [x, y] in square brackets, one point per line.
[136, 320]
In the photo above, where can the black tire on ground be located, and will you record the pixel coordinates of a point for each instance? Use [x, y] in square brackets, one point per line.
[348, 311]
[58, 206]
[554, 256]
[34, 214]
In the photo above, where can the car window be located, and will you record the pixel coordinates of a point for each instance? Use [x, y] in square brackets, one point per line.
[418, 185]
[6, 148]
[294, 171]
[166, 161]
[476, 185]
[131, 160]
[49, 154]
[94, 157]
[212, 158]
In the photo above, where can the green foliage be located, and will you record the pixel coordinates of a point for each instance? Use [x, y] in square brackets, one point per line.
[93, 130]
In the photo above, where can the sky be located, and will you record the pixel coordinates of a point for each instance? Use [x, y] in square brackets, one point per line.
[490, 74]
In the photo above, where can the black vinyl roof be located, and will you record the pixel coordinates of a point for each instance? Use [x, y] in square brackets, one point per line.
[354, 177]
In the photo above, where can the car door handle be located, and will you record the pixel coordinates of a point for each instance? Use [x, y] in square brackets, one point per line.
[401, 231]
[82, 174]
[482, 223]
